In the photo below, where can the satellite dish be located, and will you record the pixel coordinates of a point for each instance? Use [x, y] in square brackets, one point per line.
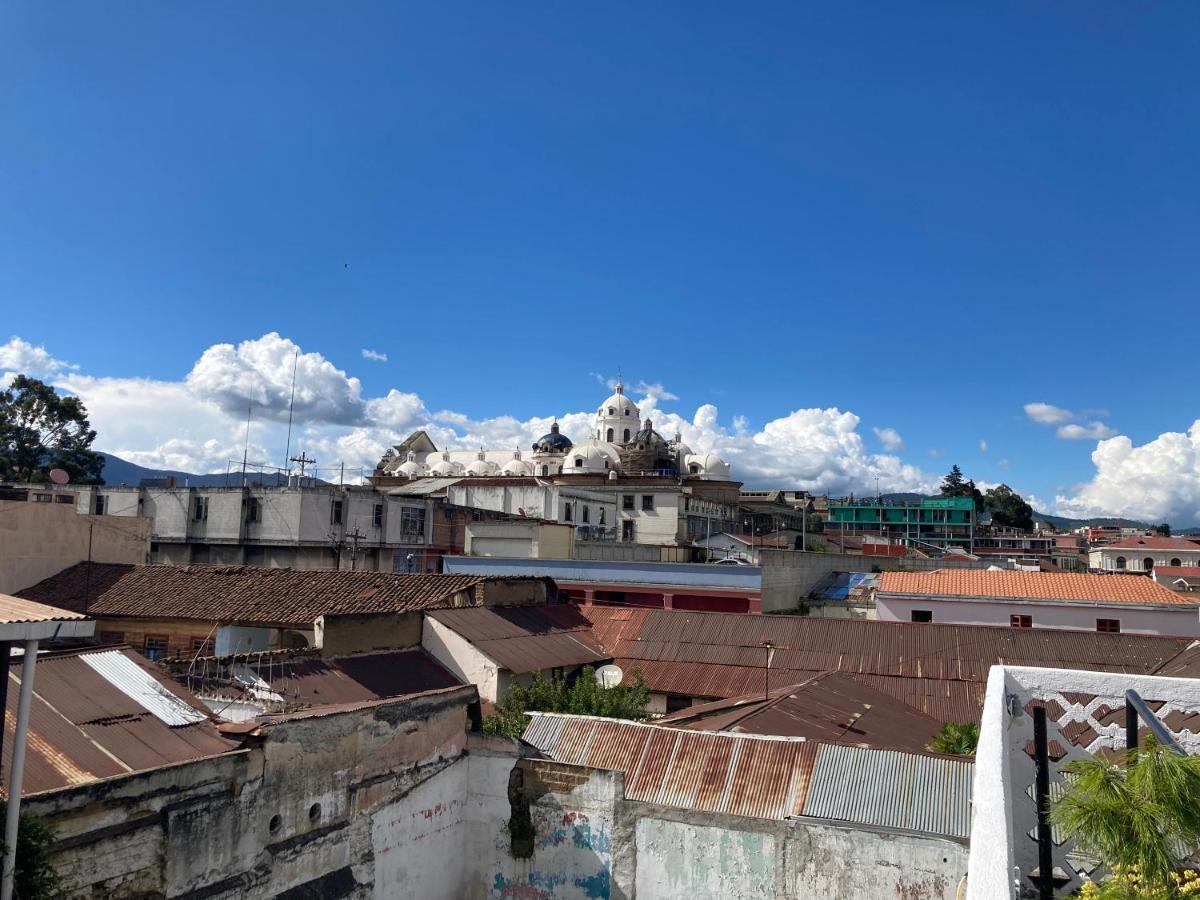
[59, 476]
[609, 676]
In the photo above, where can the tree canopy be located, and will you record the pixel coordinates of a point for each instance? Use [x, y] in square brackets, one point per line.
[956, 739]
[956, 485]
[41, 430]
[583, 696]
[1008, 508]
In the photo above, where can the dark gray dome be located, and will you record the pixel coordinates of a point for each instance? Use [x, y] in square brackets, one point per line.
[554, 442]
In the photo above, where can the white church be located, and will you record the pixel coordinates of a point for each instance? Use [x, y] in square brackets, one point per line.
[620, 446]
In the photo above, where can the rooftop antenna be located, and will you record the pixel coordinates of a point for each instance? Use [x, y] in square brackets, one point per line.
[302, 461]
[246, 448]
[291, 406]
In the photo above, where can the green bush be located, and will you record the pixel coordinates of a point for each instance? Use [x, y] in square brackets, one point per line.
[956, 739]
[35, 876]
[584, 696]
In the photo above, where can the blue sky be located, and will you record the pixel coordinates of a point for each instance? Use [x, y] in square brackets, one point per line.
[929, 215]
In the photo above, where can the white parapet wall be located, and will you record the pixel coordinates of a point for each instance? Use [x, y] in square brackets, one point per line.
[1084, 714]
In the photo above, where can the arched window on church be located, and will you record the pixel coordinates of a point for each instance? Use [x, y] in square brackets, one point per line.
[1120, 562]
[1175, 561]
[566, 512]
[627, 410]
[602, 515]
[611, 411]
[610, 435]
[545, 470]
[627, 435]
[586, 515]
[579, 462]
[694, 469]
[1148, 564]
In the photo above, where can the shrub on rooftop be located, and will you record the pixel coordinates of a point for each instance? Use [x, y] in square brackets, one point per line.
[582, 696]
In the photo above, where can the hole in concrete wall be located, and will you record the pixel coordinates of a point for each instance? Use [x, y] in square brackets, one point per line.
[314, 812]
[275, 824]
[520, 820]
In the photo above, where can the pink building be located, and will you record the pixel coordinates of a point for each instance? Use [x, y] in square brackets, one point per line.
[1061, 600]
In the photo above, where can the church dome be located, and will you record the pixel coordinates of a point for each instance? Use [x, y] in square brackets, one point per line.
[618, 418]
[707, 465]
[554, 442]
[517, 467]
[647, 437]
[480, 466]
[681, 450]
[588, 459]
[445, 467]
[410, 468]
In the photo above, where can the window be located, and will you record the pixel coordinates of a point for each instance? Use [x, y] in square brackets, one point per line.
[200, 510]
[335, 512]
[253, 509]
[1120, 562]
[545, 470]
[694, 469]
[627, 530]
[64, 498]
[627, 501]
[579, 462]
[202, 646]
[922, 615]
[587, 515]
[627, 435]
[602, 515]
[111, 637]
[611, 411]
[610, 435]
[1148, 564]
[566, 512]
[43, 498]
[155, 647]
[648, 502]
[1108, 626]
[676, 703]
[627, 410]
[377, 515]
[1175, 561]
[1020, 621]
[100, 505]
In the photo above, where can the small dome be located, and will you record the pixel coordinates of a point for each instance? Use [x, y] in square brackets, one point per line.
[411, 469]
[648, 436]
[445, 467]
[481, 467]
[517, 466]
[706, 465]
[681, 450]
[589, 458]
[554, 442]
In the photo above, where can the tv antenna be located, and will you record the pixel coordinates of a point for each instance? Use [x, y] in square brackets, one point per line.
[302, 461]
[291, 406]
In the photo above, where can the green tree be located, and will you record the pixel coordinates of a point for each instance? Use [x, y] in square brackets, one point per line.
[1140, 813]
[955, 485]
[956, 739]
[583, 696]
[41, 430]
[1164, 529]
[1009, 508]
[35, 877]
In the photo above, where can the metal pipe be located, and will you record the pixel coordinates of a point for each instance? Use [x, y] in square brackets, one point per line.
[1042, 796]
[5, 655]
[1134, 702]
[20, 733]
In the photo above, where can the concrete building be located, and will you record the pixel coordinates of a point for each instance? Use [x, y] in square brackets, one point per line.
[520, 538]
[925, 523]
[298, 527]
[1142, 554]
[1178, 578]
[632, 583]
[41, 534]
[1060, 600]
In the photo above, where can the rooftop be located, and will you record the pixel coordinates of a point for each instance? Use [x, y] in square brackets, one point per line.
[243, 593]
[1070, 587]
[765, 777]
[1154, 542]
[22, 620]
[527, 639]
[830, 707]
[103, 712]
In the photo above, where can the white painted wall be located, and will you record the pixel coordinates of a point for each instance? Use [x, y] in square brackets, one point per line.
[1070, 616]
[1105, 558]
[681, 861]
[461, 657]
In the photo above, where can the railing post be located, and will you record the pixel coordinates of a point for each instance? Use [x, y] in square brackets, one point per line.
[1042, 796]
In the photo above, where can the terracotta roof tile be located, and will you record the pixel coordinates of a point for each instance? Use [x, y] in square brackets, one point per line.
[1058, 586]
[1154, 542]
[242, 594]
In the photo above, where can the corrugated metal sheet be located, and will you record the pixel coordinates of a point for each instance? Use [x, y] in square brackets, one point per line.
[132, 680]
[526, 638]
[744, 775]
[83, 727]
[891, 789]
[14, 610]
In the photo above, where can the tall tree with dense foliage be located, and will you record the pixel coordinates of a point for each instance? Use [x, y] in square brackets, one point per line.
[1139, 814]
[955, 484]
[1009, 508]
[41, 430]
[584, 696]
[1163, 530]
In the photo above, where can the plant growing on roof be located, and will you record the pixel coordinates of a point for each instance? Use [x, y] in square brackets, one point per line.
[956, 739]
[582, 696]
[1139, 814]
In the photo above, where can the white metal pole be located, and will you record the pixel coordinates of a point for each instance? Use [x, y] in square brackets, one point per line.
[18, 770]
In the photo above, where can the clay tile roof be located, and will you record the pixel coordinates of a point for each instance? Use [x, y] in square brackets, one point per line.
[243, 594]
[1059, 586]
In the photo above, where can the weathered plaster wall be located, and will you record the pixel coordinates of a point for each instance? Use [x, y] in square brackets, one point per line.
[685, 861]
[339, 635]
[462, 658]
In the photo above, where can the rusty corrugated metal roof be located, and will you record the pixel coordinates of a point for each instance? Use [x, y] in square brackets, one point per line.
[830, 707]
[765, 777]
[528, 638]
[744, 775]
[84, 726]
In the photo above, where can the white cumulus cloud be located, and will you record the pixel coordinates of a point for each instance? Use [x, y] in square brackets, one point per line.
[19, 357]
[889, 437]
[1092, 431]
[1071, 426]
[1046, 414]
[1158, 481]
[374, 355]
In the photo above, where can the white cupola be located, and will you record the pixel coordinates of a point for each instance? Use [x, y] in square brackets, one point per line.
[618, 418]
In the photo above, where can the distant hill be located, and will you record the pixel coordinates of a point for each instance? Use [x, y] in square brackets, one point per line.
[119, 471]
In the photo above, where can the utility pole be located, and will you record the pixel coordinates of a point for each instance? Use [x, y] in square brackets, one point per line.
[770, 648]
[302, 461]
[246, 447]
